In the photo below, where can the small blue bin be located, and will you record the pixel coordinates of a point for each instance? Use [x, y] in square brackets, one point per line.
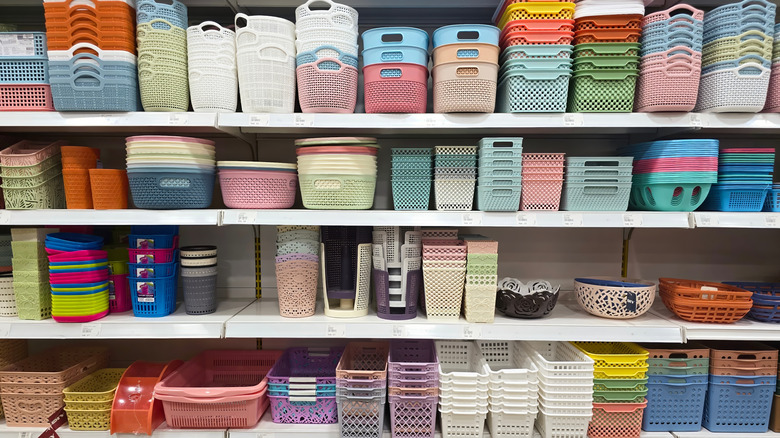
[395, 36]
[150, 241]
[515, 143]
[739, 407]
[92, 91]
[24, 71]
[772, 202]
[141, 271]
[411, 193]
[153, 297]
[325, 52]
[736, 197]
[466, 33]
[162, 189]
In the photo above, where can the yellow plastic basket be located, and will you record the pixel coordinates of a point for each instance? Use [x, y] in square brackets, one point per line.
[614, 354]
[620, 373]
[537, 11]
[99, 386]
[89, 420]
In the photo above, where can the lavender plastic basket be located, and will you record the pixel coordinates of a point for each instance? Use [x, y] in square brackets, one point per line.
[304, 410]
[381, 289]
[413, 416]
[306, 365]
[412, 356]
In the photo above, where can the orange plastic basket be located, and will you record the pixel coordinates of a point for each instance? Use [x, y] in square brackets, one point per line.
[70, 7]
[722, 312]
[702, 290]
[687, 351]
[608, 22]
[78, 192]
[106, 41]
[607, 36]
[616, 420]
[79, 157]
[531, 25]
[741, 353]
[104, 23]
[743, 371]
[135, 410]
[109, 189]
[532, 38]
[364, 361]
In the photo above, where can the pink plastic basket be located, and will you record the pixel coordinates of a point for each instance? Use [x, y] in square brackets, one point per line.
[396, 88]
[119, 300]
[327, 86]
[297, 286]
[27, 97]
[237, 411]
[28, 153]
[146, 256]
[671, 84]
[541, 195]
[616, 420]
[773, 95]
[263, 189]
[304, 410]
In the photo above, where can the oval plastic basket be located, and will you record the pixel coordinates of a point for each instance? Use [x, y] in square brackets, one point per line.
[615, 302]
[388, 37]
[169, 189]
[327, 86]
[258, 189]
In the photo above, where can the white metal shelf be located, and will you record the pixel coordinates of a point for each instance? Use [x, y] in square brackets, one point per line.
[130, 123]
[567, 322]
[161, 432]
[736, 220]
[704, 433]
[744, 330]
[110, 217]
[179, 325]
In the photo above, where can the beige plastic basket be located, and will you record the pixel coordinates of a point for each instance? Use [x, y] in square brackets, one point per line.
[479, 304]
[465, 87]
[616, 302]
[465, 52]
[297, 286]
[443, 292]
[7, 297]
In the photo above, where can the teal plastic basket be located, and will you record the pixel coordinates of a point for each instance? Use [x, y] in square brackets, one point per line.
[498, 198]
[501, 143]
[411, 152]
[596, 196]
[501, 153]
[684, 197]
[495, 181]
[411, 194]
[538, 91]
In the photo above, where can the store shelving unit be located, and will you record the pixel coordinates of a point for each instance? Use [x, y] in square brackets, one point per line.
[161, 432]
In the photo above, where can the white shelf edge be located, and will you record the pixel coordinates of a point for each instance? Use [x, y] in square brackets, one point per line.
[129, 122]
[110, 217]
[704, 433]
[65, 432]
[736, 220]
[742, 330]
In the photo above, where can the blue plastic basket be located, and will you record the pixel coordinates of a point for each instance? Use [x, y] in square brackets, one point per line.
[24, 71]
[162, 189]
[533, 91]
[501, 153]
[729, 29]
[87, 62]
[395, 36]
[141, 271]
[743, 198]
[501, 143]
[466, 33]
[672, 22]
[505, 162]
[739, 407]
[150, 241]
[175, 12]
[772, 202]
[26, 45]
[674, 407]
[90, 91]
[154, 229]
[662, 32]
[404, 54]
[313, 56]
[411, 194]
[498, 198]
[153, 297]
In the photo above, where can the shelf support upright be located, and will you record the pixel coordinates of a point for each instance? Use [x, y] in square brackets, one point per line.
[627, 233]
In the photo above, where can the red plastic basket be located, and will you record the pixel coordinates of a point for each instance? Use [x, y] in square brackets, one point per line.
[395, 88]
[537, 37]
[616, 420]
[541, 194]
[608, 22]
[27, 97]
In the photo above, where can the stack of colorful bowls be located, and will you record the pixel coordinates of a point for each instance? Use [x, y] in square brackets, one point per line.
[744, 179]
[78, 273]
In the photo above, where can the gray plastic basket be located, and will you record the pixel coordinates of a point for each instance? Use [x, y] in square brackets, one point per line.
[200, 292]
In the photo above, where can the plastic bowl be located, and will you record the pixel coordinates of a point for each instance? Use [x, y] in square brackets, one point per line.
[611, 301]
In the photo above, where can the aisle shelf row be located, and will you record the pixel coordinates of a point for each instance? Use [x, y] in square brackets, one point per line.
[387, 124]
[743, 330]
[161, 432]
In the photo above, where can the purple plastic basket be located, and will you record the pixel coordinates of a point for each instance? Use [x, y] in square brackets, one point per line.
[410, 380]
[381, 289]
[360, 383]
[306, 365]
[297, 256]
[341, 247]
[412, 357]
[413, 417]
[321, 410]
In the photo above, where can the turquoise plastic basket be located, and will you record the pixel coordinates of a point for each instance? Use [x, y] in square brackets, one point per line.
[772, 202]
[411, 152]
[596, 196]
[411, 194]
[501, 143]
[498, 198]
[743, 198]
[668, 197]
[525, 91]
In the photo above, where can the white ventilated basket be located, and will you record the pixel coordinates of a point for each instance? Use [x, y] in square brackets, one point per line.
[266, 77]
[479, 303]
[265, 25]
[570, 399]
[248, 39]
[559, 360]
[565, 385]
[453, 393]
[329, 36]
[505, 423]
[464, 402]
[209, 37]
[740, 89]
[562, 425]
[506, 362]
[467, 423]
[454, 194]
[443, 292]
[336, 16]
[213, 91]
[461, 363]
[7, 298]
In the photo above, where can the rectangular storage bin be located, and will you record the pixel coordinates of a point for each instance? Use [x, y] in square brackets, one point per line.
[306, 365]
[593, 196]
[24, 71]
[616, 420]
[541, 194]
[153, 297]
[410, 358]
[304, 410]
[603, 91]
[364, 361]
[462, 423]
[22, 45]
[411, 194]
[674, 407]
[454, 194]
[739, 404]
[361, 416]
[498, 198]
[533, 91]
[413, 416]
[465, 87]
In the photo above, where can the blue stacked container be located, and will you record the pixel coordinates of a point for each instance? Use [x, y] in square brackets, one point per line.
[153, 281]
[500, 167]
[744, 180]
[24, 72]
[411, 178]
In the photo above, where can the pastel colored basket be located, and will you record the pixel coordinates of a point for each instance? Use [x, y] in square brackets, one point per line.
[258, 188]
[395, 88]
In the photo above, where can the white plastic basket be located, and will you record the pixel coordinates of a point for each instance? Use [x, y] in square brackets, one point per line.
[212, 91]
[443, 292]
[266, 76]
[559, 360]
[454, 194]
[337, 16]
[505, 424]
[470, 401]
[505, 362]
[458, 393]
[209, 37]
[564, 385]
[562, 425]
[248, 39]
[462, 423]
[515, 402]
[307, 44]
[740, 89]
[460, 362]
[567, 401]
[105, 55]
[265, 24]
[479, 304]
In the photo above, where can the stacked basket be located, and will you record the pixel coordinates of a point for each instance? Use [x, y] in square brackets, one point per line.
[263, 185]
[619, 388]
[676, 388]
[773, 94]
[345, 260]
[700, 301]
[413, 393]
[154, 269]
[397, 272]
[32, 176]
[500, 174]
[744, 179]
[211, 59]
[361, 389]
[672, 175]
[88, 401]
[92, 63]
[536, 60]
[199, 279]
[597, 184]
[455, 176]
[736, 57]
[167, 172]
[266, 63]
[76, 164]
[465, 68]
[606, 58]
[337, 173]
[444, 275]
[395, 70]
[411, 178]
[479, 302]
[542, 181]
[327, 43]
[118, 284]
[24, 72]
[162, 55]
[297, 269]
[7, 297]
[565, 388]
[313, 372]
[512, 389]
[742, 381]
[463, 388]
[766, 300]
[31, 280]
[671, 60]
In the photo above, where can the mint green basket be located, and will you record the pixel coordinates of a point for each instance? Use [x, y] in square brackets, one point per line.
[31, 276]
[29, 250]
[47, 195]
[482, 269]
[603, 91]
[33, 300]
[482, 259]
[337, 192]
[30, 264]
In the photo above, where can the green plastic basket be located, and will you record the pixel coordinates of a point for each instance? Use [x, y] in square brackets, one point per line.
[619, 396]
[601, 385]
[606, 49]
[596, 196]
[31, 264]
[603, 91]
[606, 63]
[29, 250]
[337, 192]
[33, 300]
[482, 259]
[21, 182]
[482, 269]
[664, 367]
[48, 195]
[31, 276]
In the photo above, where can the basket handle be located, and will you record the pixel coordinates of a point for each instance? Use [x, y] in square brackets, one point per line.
[745, 36]
[176, 187]
[87, 74]
[738, 70]
[697, 14]
[501, 192]
[208, 26]
[320, 61]
[85, 12]
[160, 20]
[241, 20]
[467, 71]
[269, 58]
[91, 49]
[308, 4]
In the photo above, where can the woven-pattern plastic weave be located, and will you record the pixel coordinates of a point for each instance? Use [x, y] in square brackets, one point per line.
[258, 189]
[464, 95]
[334, 192]
[26, 98]
[742, 89]
[520, 94]
[589, 94]
[396, 96]
[614, 302]
[443, 292]
[331, 91]
[611, 423]
[297, 283]
[200, 294]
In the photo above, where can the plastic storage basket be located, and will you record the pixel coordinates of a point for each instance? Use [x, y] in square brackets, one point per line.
[465, 87]
[395, 88]
[171, 188]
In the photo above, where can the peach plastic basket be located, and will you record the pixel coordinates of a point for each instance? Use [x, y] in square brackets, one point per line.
[26, 97]
[465, 87]
[396, 88]
[297, 283]
[78, 192]
[465, 52]
[109, 189]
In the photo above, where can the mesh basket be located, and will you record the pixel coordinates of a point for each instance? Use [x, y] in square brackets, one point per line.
[266, 74]
[612, 420]
[14, 71]
[327, 86]
[171, 190]
[465, 87]
[395, 88]
[413, 416]
[268, 25]
[738, 407]
[48, 195]
[24, 97]
[94, 90]
[443, 292]
[411, 194]
[361, 417]
[454, 194]
[297, 284]
[335, 192]
[596, 196]
[109, 188]
[674, 407]
[534, 91]
[212, 91]
[671, 88]
[603, 91]
[740, 89]
[172, 10]
[541, 195]
[164, 91]
[772, 104]
[78, 192]
[479, 303]
[258, 189]
[200, 293]
[7, 297]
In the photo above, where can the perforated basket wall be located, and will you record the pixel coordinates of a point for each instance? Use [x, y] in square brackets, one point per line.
[479, 304]
[47, 195]
[443, 292]
[297, 283]
[518, 94]
[608, 422]
[589, 94]
[213, 92]
[454, 194]
[667, 90]
[541, 195]
[734, 90]
[772, 96]
[361, 417]
[674, 407]
[411, 194]
[258, 189]
[21, 97]
[464, 95]
[413, 417]
[396, 96]
[596, 196]
[327, 87]
[335, 192]
[162, 190]
[266, 74]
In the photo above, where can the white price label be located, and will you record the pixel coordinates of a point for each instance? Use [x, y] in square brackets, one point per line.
[177, 119]
[246, 217]
[335, 330]
[632, 220]
[259, 119]
[265, 435]
[434, 121]
[572, 220]
[25, 435]
[472, 219]
[472, 332]
[526, 219]
[399, 331]
[707, 220]
[303, 120]
[773, 221]
[5, 330]
[90, 330]
[696, 120]
[573, 120]
[5, 217]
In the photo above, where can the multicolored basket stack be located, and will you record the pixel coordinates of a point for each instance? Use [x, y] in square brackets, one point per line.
[154, 269]
[744, 179]
[773, 94]
[413, 393]
[465, 68]
[24, 72]
[672, 175]
[606, 55]
[262, 185]
[737, 57]
[411, 176]
[479, 302]
[671, 60]
[361, 389]
[619, 388]
[444, 274]
[676, 387]
[327, 61]
[92, 62]
[32, 176]
[455, 177]
[297, 269]
[700, 301]
[597, 184]
[536, 55]
[463, 389]
[766, 300]
[31, 280]
[162, 55]
[395, 70]
[500, 179]
[542, 181]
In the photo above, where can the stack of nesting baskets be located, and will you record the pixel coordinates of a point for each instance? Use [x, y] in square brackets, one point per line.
[24, 72]
[32, 176]
[251, 184]
[773, 95]
[211, 63]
